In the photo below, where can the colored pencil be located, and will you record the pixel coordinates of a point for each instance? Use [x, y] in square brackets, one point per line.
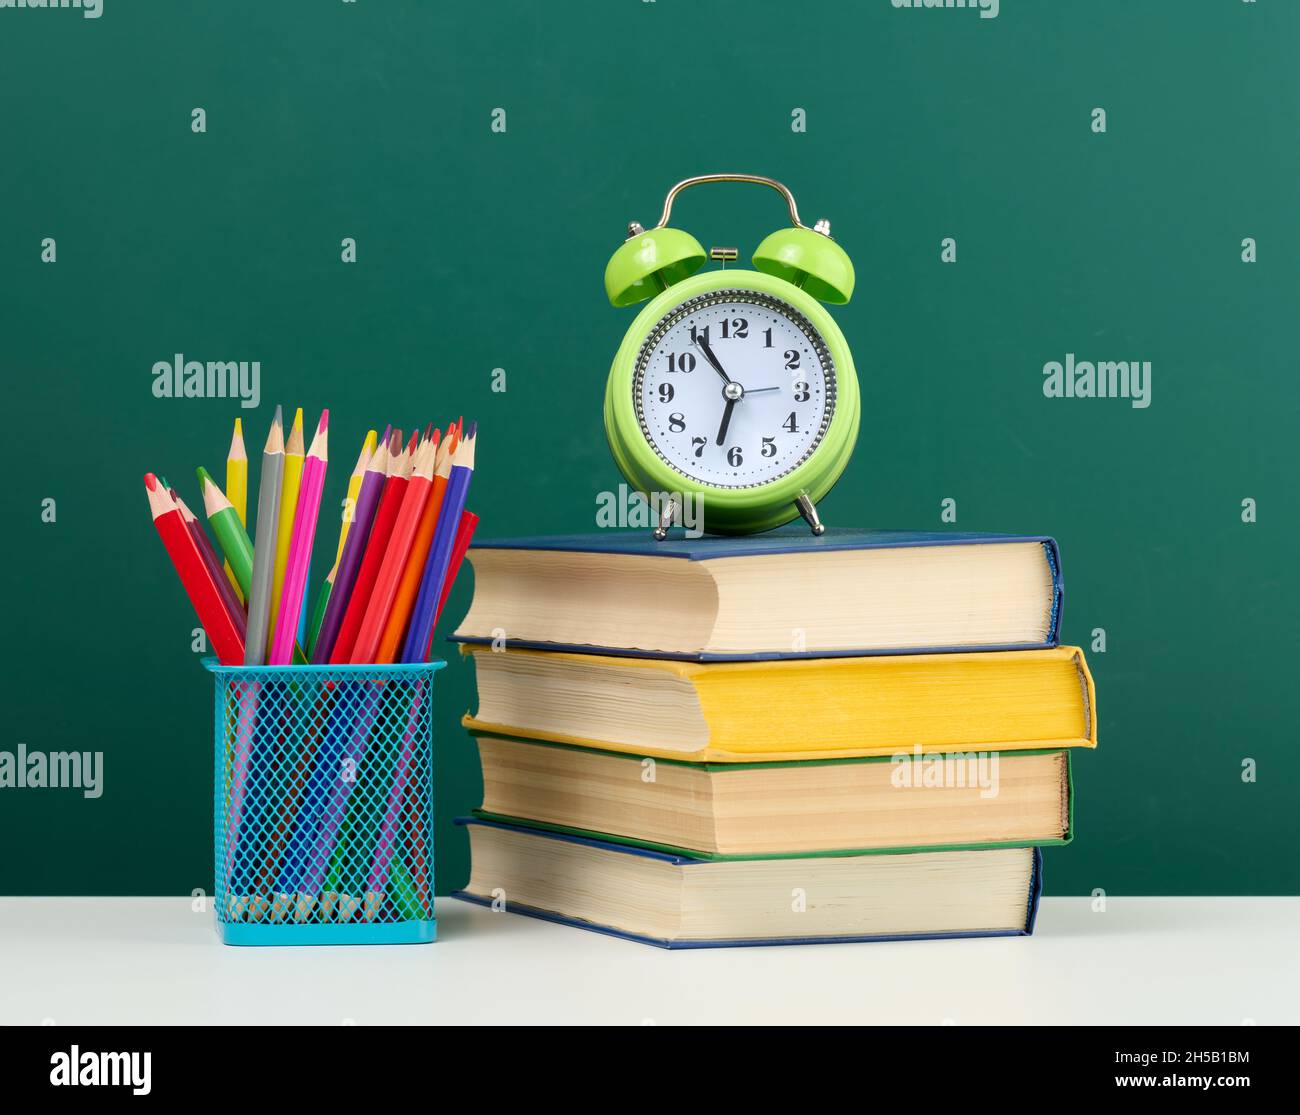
[396, 554]
[197, 581]
[349, 507]
[409, 586]
[318, 613]
[390, 505]
[321, 756]
[304, 532]
[254, 780]
[268, 519]
[419, 634]
[464, 536]
[302, 844]
[372, 486]
[354, 490]
[403, 894]
[289, 486]
[233, 539]
[419, 637]
[210, 559]
[237, 491]
[361, 702]
[383, 867]
[284, 838]
[394, 632]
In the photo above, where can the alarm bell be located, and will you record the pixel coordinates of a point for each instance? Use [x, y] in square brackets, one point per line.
[810, 259]
[648, 262]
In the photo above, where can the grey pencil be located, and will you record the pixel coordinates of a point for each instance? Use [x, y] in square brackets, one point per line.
[268, 520]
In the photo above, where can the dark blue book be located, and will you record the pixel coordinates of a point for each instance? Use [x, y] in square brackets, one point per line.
[677, 901]
[785, 594]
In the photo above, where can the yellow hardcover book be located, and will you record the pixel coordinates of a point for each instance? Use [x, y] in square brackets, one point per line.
[791, 709]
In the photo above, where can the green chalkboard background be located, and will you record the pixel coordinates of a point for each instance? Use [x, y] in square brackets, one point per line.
[479, 250]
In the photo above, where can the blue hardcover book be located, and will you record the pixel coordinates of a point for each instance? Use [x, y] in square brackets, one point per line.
[678, 902]
[785, 594]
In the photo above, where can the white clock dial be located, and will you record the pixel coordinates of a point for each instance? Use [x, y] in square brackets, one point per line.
[734, 389]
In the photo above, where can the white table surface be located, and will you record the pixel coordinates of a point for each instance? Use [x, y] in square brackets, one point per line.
[1145, 960]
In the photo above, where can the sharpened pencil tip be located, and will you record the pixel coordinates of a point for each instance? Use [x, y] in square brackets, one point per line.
[473, 430]
[239, 427]
[204, 478]
[150, 481]
[278, 420]
[297, 419]
[324, 420]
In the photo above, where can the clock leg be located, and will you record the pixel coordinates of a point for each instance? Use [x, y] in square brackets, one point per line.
[809, 512]
[667, 514]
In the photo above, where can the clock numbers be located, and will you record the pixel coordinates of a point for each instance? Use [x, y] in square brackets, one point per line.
[773, 373]
[683, 362]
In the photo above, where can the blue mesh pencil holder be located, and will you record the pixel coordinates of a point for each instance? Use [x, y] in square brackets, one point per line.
[323, 814]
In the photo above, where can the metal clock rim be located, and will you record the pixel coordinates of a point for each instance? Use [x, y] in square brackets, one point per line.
[755, 297]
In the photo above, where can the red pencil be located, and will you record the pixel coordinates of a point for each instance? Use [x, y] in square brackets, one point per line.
[464, 536]
[390, 503]
[238, 614]
[194, 575]
[366, 647]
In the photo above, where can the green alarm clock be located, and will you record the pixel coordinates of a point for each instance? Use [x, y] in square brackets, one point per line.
[733, 387]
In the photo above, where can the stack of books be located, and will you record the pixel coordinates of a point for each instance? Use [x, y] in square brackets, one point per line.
[778, 738]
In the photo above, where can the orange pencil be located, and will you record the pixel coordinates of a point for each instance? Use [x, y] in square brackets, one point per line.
[390, 503]
[409, 585]
[395, 555]
[194, 574]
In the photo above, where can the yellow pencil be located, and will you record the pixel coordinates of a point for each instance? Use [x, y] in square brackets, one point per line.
[354, 489]
[237, 486]
[293, 458]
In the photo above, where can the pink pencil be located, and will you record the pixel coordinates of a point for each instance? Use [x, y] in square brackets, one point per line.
[300, 543]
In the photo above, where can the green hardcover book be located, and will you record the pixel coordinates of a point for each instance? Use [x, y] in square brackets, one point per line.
[838, 807]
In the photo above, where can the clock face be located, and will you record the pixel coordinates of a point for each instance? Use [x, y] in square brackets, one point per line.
[734, 389]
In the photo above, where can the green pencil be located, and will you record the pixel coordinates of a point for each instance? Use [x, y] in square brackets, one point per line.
[318, 616]
[402, 894]
[233, 540]
[231, 535]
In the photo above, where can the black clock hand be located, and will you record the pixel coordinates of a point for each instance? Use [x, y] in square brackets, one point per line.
[726, 420]
[703, 346]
